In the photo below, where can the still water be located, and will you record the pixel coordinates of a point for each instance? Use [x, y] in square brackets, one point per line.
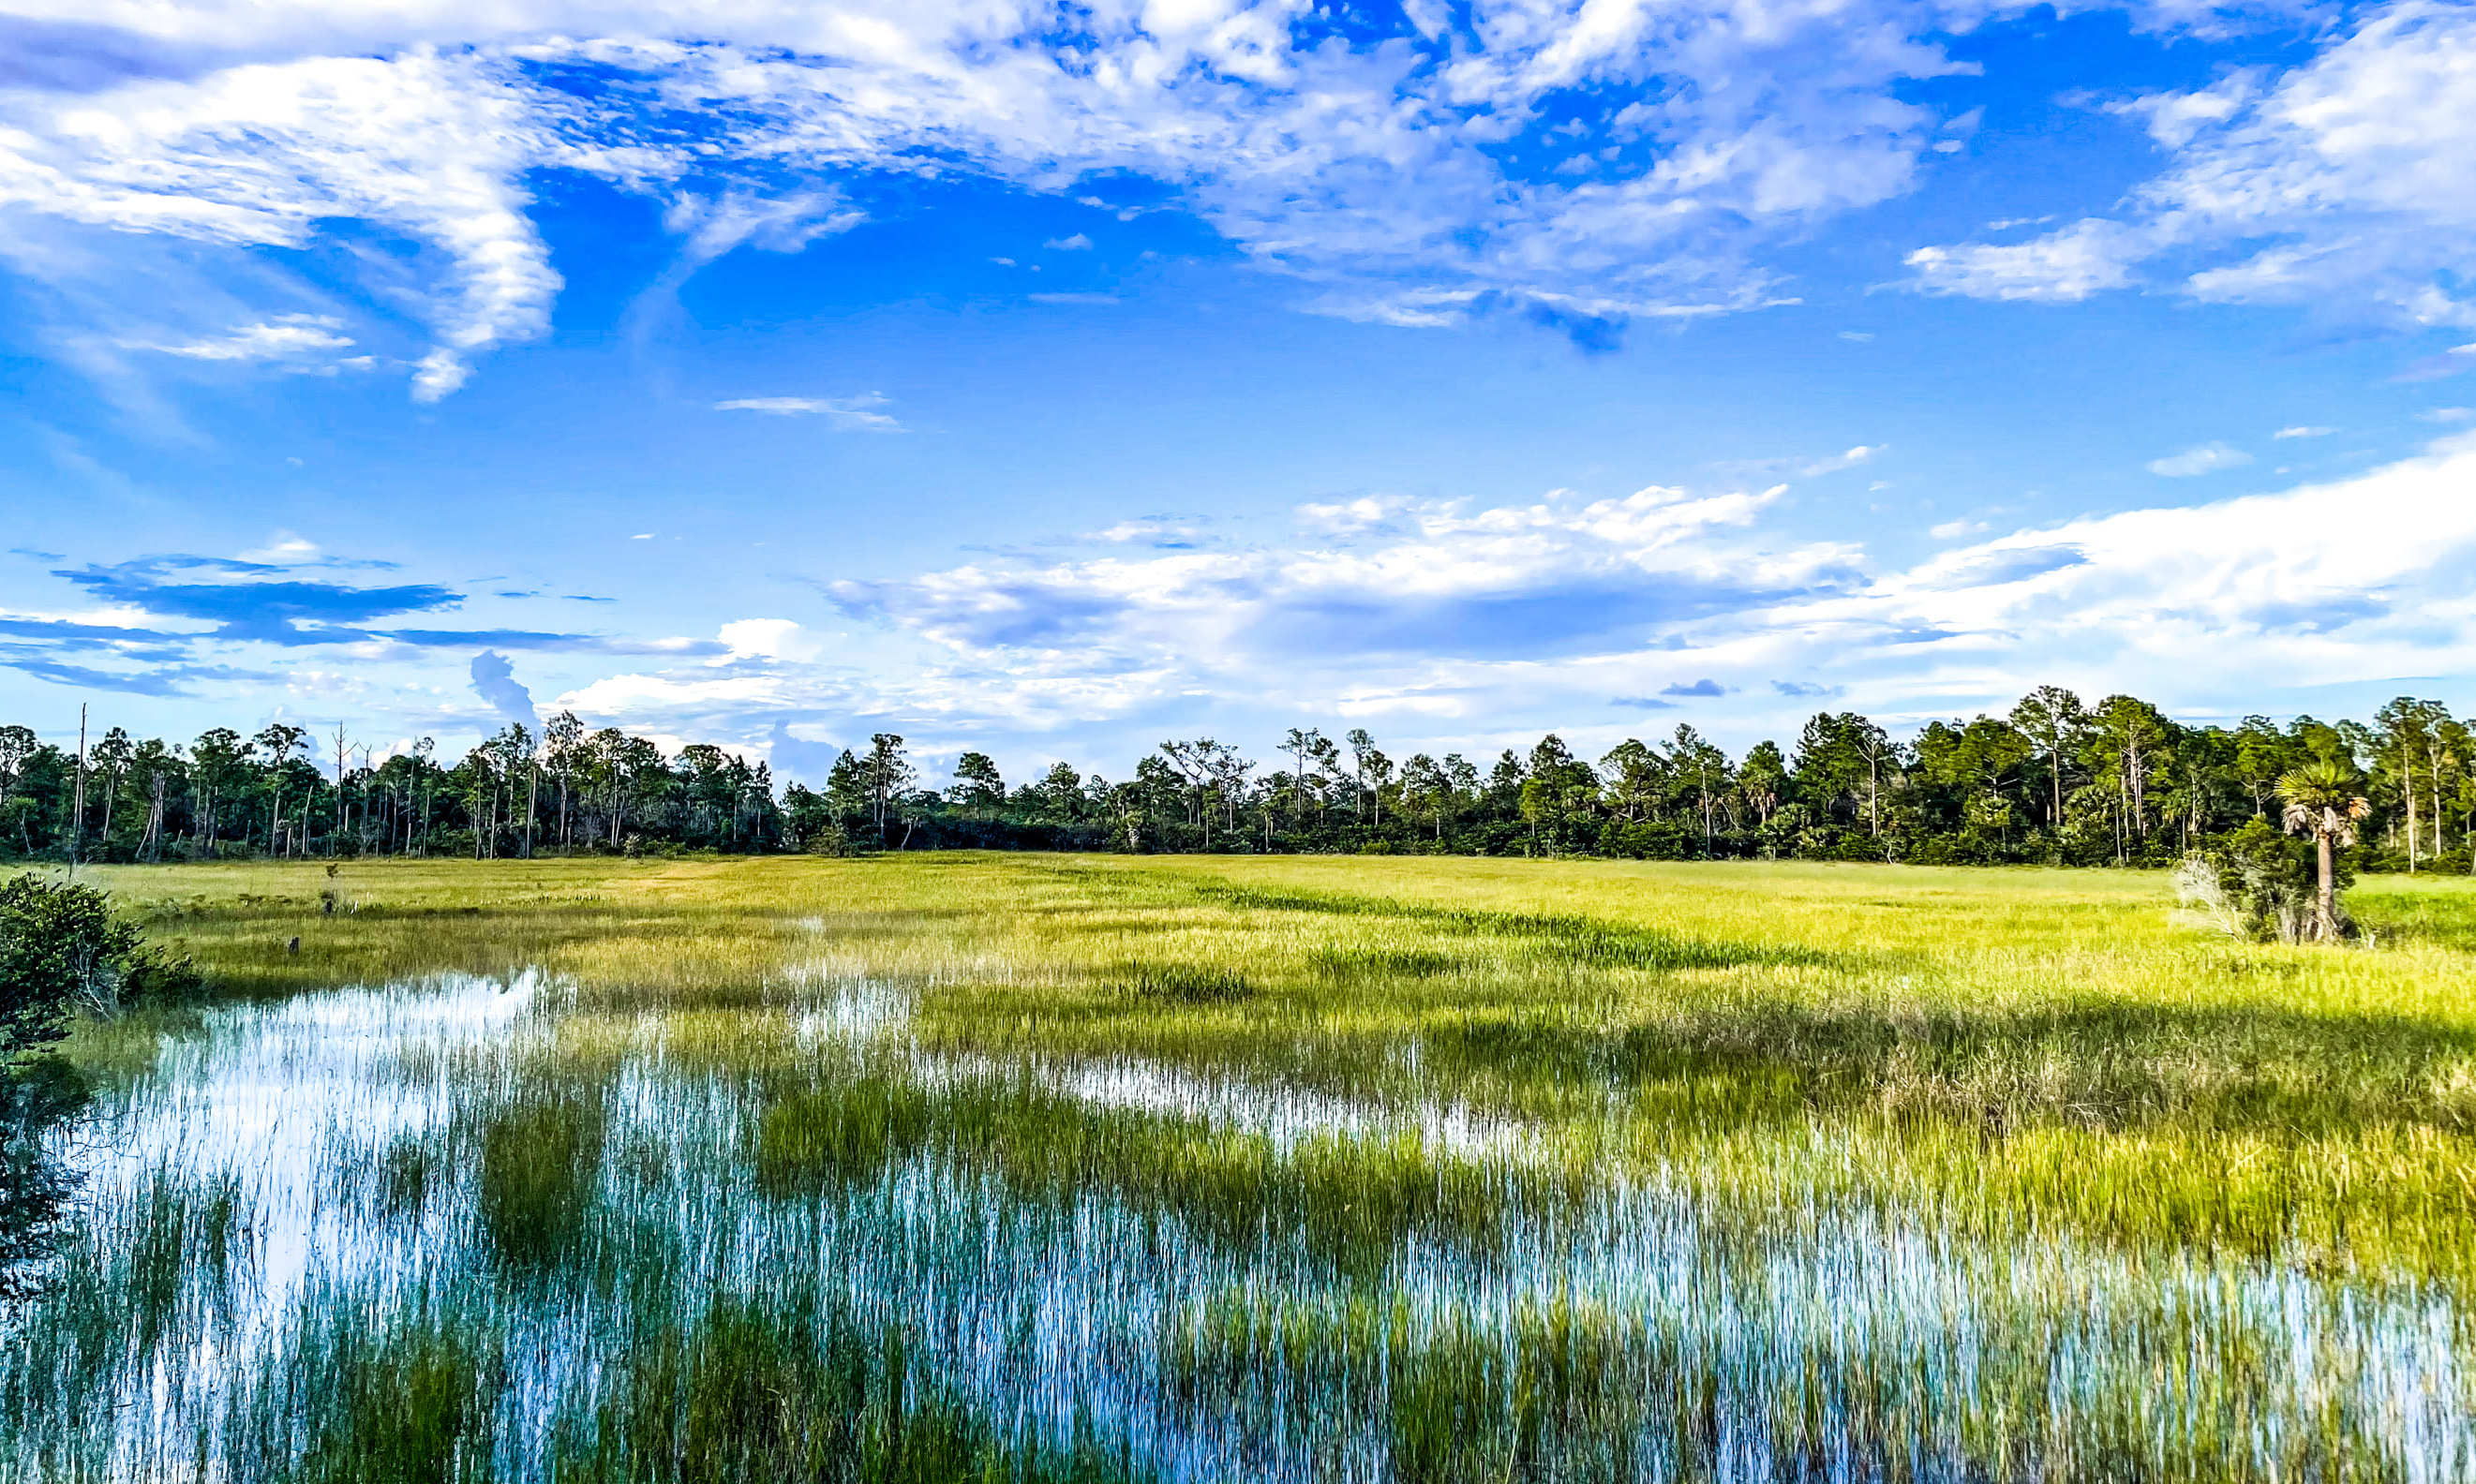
[308, 1167]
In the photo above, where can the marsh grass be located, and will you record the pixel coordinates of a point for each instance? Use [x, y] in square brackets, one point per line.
[1188, 984]
[782, 1391]
[1035, 1168]
[537, 1172]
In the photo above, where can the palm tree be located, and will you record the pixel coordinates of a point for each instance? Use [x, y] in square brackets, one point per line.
[2321, 802]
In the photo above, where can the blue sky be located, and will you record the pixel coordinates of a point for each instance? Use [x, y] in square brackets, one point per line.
[1052, 381]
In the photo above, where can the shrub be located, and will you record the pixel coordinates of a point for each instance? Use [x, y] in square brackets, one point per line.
[60, 949]
[2256, 884]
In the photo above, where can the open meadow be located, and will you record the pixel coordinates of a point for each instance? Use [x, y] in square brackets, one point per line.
[1225, 1168]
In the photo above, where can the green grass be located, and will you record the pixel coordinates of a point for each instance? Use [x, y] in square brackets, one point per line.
[1460, 1169]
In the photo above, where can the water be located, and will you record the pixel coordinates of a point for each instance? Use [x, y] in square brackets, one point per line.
[1640, 1335]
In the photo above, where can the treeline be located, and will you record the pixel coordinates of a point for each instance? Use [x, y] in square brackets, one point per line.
[2052, 781]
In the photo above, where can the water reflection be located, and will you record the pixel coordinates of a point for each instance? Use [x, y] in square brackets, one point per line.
[348, 1135]
[40, 1102]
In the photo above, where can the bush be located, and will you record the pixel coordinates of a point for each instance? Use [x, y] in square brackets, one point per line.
[60, 949]
[2256, 884]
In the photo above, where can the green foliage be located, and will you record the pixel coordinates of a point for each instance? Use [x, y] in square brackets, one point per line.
[2264, 880]
[2052, 781]
[61, 949]
[539, 1169]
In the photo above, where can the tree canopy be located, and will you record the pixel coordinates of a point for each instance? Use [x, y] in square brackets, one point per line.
[2054, 778]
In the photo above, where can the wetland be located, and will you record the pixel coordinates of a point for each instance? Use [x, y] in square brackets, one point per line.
[1201, 1169]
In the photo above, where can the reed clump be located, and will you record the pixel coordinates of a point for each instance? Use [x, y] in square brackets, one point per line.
[537, 1171]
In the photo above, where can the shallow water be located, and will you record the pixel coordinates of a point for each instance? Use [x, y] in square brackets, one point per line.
[1839, 1347]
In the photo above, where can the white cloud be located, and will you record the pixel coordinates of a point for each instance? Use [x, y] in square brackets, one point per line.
[769, 638]
[1406, 599]
[1861, 453]
[1077, 243]
[1150, 533]
[854, 413]
[1375, 173]
[2347, 185]
[1409, 182]
[284, 338]
[426, 146]
[2204, 459]
[2304, 587]
[1343, 517]
[285, 550]
[715, 225]
[2059, 268]
[2300, 431]
[1451, 621]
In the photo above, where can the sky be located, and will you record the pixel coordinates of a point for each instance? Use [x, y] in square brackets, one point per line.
[1052, 380]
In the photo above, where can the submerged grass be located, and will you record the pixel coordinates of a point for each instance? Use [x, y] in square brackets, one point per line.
[1407, 1169]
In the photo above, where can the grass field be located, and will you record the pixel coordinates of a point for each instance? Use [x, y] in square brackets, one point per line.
[952, 1166]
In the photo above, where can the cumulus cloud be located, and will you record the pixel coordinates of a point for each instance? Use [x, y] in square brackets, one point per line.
[1541, 579]
[494, 681]
[769, 638]
[1451, 620]
[2302, 587]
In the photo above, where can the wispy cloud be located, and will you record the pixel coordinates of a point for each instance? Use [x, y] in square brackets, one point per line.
[2203, 458]
[253, 601]
[2341, 184]
[304, 340]
[858, 414]
[1861, 453]
[1400, 176]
